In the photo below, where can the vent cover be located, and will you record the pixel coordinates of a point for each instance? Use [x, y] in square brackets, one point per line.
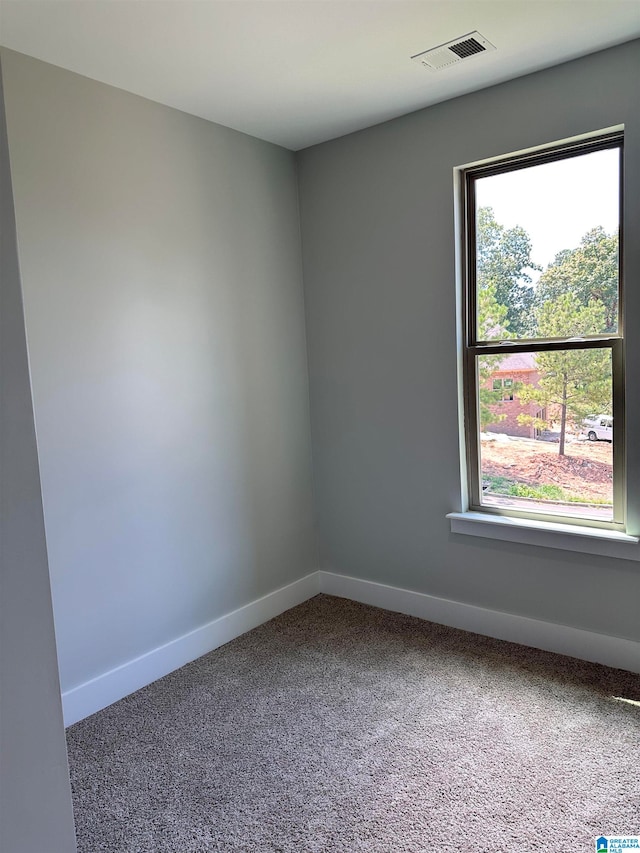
[453, 51]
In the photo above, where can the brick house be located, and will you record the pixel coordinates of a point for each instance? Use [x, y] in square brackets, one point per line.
[514, 369]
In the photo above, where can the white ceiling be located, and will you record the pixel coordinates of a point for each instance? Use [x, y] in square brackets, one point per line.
[304, 71]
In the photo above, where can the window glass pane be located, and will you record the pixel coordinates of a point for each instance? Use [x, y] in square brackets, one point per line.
[547, 249]
[550, 449]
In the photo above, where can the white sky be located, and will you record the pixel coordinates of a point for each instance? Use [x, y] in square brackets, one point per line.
[556, 203]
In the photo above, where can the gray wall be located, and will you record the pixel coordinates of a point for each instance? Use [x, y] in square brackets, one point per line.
[377, 212]
[35, 797]
[161, 270]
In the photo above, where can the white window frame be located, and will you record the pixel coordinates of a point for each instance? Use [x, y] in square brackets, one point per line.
[564, 532]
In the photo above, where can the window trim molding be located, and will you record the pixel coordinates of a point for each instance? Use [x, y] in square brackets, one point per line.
[468, 342]
[546, 534]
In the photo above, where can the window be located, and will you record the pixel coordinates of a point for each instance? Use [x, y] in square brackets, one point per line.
[504, 389]
[543, 327]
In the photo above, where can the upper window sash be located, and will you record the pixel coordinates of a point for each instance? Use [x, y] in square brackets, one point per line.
[612, 326]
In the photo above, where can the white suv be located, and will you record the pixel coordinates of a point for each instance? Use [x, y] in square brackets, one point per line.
[599, 428]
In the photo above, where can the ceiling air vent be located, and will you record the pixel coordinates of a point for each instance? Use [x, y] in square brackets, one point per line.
[453, 51]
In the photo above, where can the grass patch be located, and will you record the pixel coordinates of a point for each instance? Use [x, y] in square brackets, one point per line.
[498, 485]
[545, 492]
[583, 499]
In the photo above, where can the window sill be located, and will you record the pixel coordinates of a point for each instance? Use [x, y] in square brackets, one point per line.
[546, 534]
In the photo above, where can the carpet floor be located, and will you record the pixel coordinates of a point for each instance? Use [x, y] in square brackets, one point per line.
[339, 727]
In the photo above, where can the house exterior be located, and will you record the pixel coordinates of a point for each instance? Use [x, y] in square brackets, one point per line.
[514, 370]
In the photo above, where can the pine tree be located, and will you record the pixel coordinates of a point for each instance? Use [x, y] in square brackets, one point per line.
[574, 383]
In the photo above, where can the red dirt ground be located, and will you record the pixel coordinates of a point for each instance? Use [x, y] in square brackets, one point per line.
[585, 470]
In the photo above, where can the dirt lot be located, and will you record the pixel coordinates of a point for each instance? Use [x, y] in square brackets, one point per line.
[585, 470]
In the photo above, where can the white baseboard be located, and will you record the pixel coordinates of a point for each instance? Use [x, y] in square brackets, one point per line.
[93, 695]
[575, 642]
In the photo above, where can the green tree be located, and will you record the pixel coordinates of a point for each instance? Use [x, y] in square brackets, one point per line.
[492, 318]
[590, 272]
[503, 265]
[574, 383]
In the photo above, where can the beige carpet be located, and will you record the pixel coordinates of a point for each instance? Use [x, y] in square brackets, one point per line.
[340, 727]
